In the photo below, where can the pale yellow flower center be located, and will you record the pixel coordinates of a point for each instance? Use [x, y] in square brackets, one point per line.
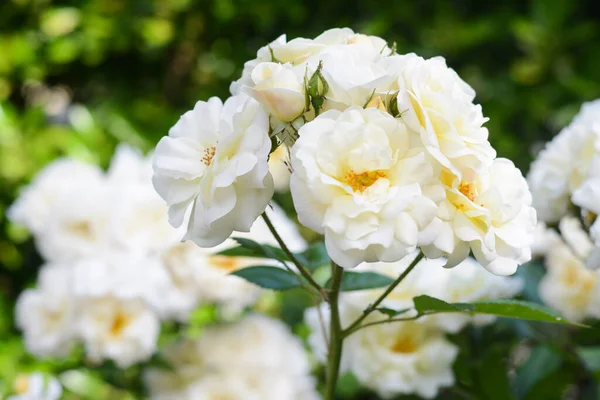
[583, 280]
[360, 182]
[225, 263]
[468, 189]
[81, 229]
[209, 153]
[119, 323]
[404, 345]
[21, 385]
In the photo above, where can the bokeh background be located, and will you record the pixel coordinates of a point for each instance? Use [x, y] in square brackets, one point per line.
[77, 77]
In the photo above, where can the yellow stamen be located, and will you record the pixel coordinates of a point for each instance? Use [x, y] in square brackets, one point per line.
[119, 324]
[209, 153]
[360, 182]
[468, 189]
[225, 263]
[21, 385]
[404, 345]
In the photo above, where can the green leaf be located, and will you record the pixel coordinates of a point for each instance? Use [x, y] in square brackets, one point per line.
[590, 357]
[542, 362]
[269, 277]
[501, 308]
[250, 248]
[315, 256]
[362, 280]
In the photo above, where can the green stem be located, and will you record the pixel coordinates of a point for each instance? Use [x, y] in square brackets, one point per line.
[377, 302]
[336, 338]
[301, 268]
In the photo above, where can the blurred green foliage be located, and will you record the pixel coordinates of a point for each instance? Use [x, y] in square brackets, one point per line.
[78, 76]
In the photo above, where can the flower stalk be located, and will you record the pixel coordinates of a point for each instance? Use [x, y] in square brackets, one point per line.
[336, 338]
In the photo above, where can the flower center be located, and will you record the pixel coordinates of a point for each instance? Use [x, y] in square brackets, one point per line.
[404, 345]
[21, 384]
[209, 153]
[82, 229]
[119, 324]
[468, 189]
[360, 182]
[225, 263]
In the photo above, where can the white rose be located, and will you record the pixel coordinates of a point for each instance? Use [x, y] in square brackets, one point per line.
[57, 181]
[358, 181]
[254, 358]
[124, 331]
[394, 358]
[569, 286]
[280, 90]
[544, 239]
[355, 74]
[492, 216]
[576, 237]
[437, 103]
[47, 315]
[215, 161]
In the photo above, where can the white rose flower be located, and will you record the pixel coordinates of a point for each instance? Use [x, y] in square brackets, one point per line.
[358, 181]
[257, 357]
[437, 103]
[124, 331]
[139, 215]
[36, 386]
[123, 275]
[355, 74]
[565, 163]
[215, 161]
[280, 89]
[392, 359]
[569, 286]
[491, 215]
[36, 204]
[297, 51]
[46, 315]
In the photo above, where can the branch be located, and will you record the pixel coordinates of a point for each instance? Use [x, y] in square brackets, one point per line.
[301, 268]
[389, 290]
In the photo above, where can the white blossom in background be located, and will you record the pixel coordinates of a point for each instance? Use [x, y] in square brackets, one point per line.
[38, 201]
[358, 181]
[214, 164]
[36, 386]
[124, 331]
[254, 358]
[568, 286]
[392, 359]
[490, 216]
[565, 163]
[46, 314]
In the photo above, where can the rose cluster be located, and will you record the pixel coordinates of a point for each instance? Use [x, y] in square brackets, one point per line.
[255, 358]
[114, 267]
[410, 357]
[565, 184]
[387, 153]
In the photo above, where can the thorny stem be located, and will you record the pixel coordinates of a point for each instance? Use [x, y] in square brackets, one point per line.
[301, 268]
[376, 303]
[336, 338]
